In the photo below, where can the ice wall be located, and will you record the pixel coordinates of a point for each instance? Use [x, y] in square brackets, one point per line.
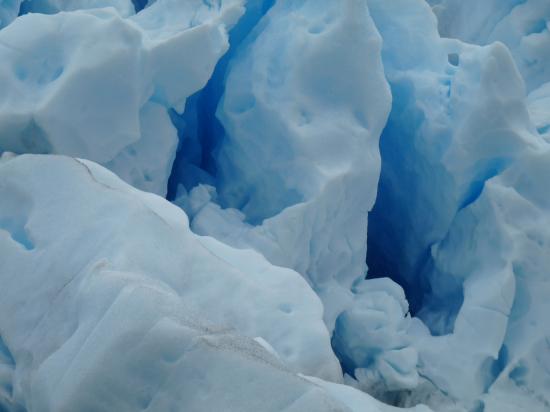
[459, 124]
[298, 164]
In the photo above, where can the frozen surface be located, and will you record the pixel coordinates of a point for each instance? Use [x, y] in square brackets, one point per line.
[360, 205]
[120, 298]
[372, 340]
[9, 10]
[123, 7]
[94, 85]
[501, 244]
[459, 125]
[298, 165]
[359, 401]
[521, 25]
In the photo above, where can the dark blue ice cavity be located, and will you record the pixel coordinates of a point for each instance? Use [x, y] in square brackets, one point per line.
[410, 206]
[199, 130]
[139, 4]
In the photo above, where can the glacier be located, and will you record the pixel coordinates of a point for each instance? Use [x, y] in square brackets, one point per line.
[279, 205]
[132, 311]
[111, 77]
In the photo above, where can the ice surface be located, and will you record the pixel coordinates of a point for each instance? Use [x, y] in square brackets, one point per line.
[292, 93]
[9, 10]
[123, 7]
[373, 342]
[121, 310]
[136, 280]
[459, 121]
[356, 400]
[285, 132]
[93, 85]
[539, 109]
[505, 234]
[522, 25]
[452, 127]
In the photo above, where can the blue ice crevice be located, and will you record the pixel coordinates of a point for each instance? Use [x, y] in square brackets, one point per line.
[458, 123]
[200, 132]
[293, 171]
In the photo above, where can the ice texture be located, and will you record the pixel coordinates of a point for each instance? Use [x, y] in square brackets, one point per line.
[134, 280]
[356, 218]
[459, 124]
[291, 93]
[119, 307]
[124, 7]
[9, 10]
[501, 244]
[521, 25]
[373, 342]
[94, 85]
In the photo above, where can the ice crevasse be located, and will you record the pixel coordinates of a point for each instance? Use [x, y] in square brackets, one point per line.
[355, 211]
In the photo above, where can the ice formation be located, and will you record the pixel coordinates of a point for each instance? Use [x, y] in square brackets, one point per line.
[279, 205]
[310, 215]
[94, 85]
[521, 25]
[116, 305]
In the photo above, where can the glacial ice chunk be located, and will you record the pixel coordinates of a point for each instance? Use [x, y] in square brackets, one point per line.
[90, 88]
[500, 245]
[522, 25]
[119, 296]
[107, 294]
[299, 162]
[372, 339]
[360, 401]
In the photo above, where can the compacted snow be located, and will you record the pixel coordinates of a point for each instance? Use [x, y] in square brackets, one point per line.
[275, 205]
